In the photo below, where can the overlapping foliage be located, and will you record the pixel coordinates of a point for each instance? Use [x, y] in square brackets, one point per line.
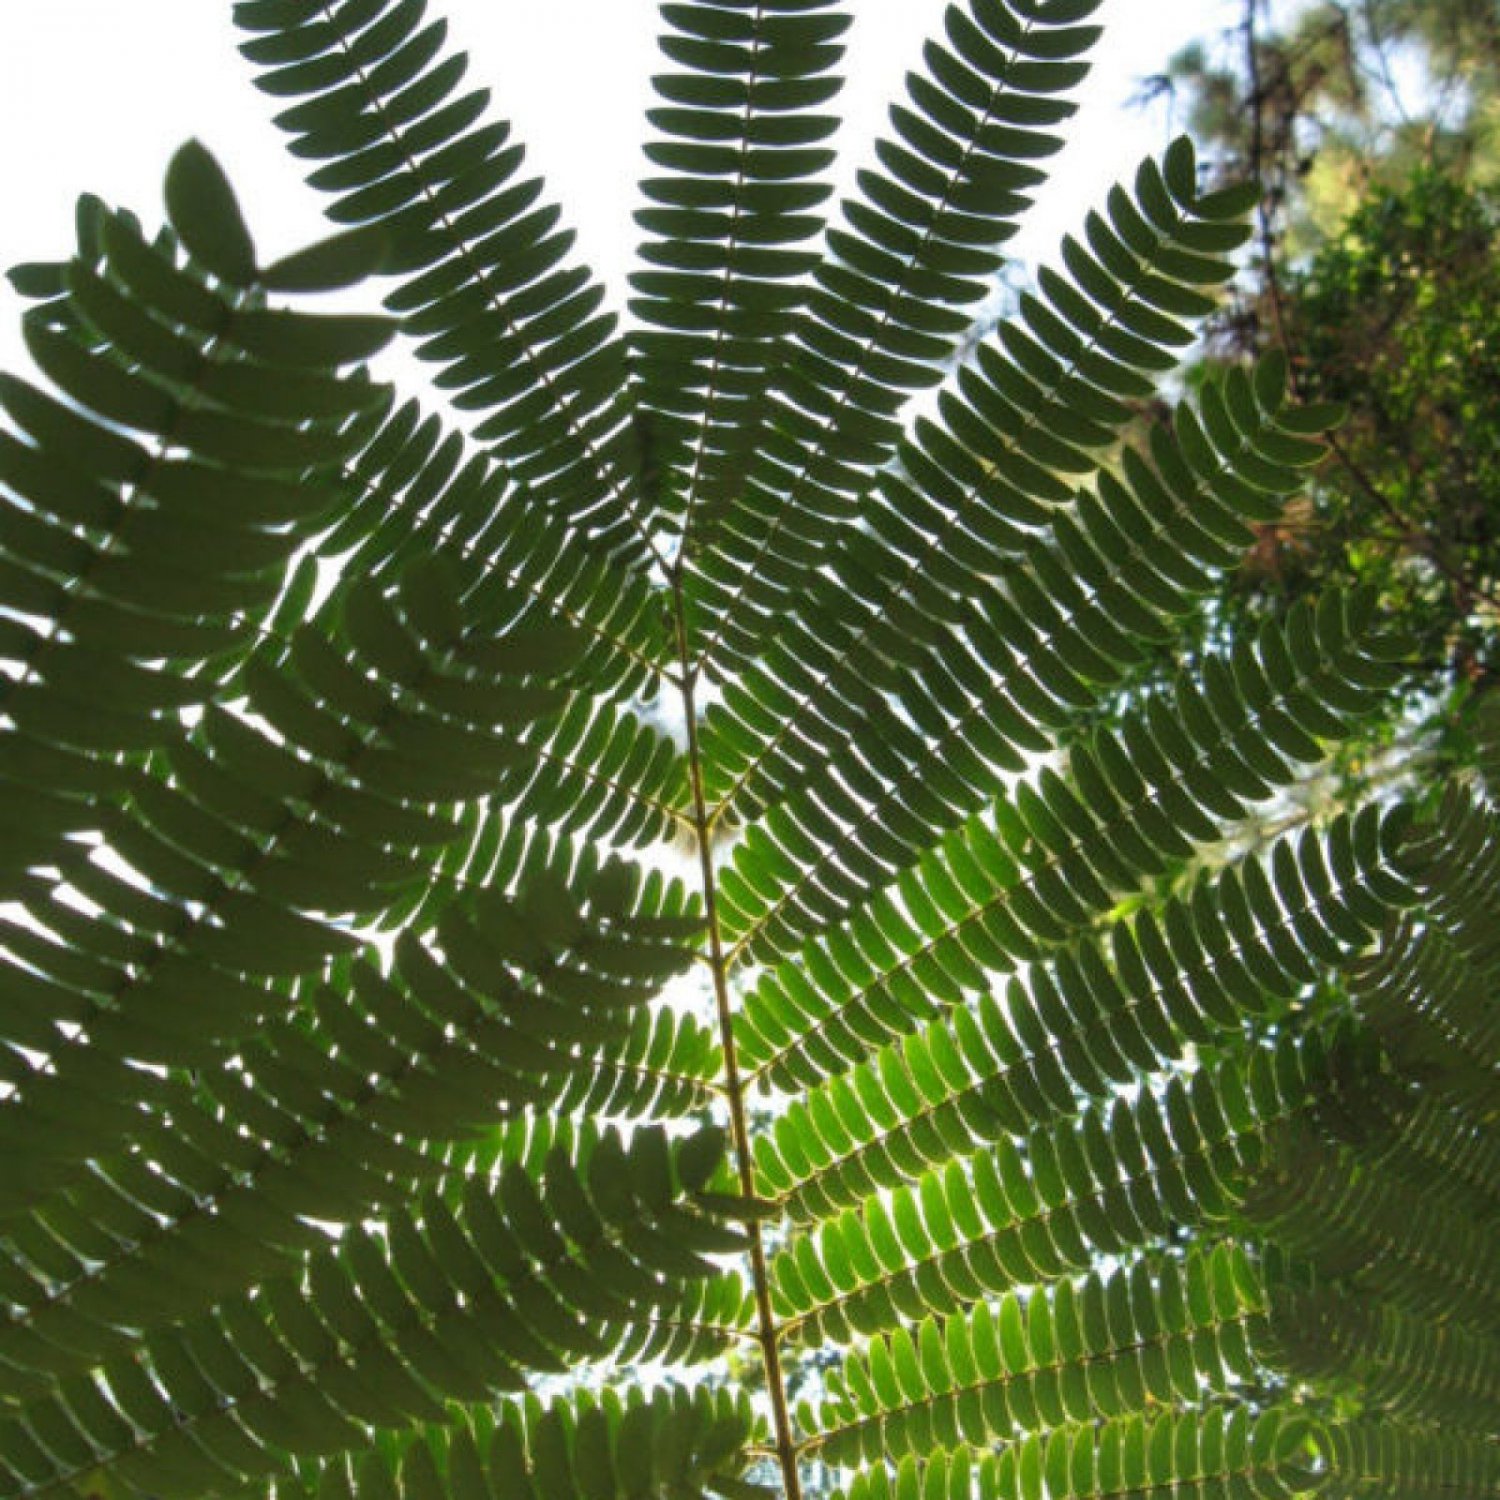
[371, 784]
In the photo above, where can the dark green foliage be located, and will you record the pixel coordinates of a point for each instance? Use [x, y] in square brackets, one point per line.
[528, 945]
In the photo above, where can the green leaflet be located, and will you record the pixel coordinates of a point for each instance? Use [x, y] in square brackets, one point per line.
[339, 261]
[203, 210]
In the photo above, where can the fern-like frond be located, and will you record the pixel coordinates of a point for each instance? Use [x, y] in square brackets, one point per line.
[728, 231]
[1116, 570]
[1415, 1459]
[869, 770]
[1364, 1224]
[1158, 1333]
[1429, 990]
[914, 1110]
[1111, 1181]
[1419, 1370]
[701, 1322]
[440, 1305]
[331, 1121]
[419, 488]
[1210, 1453]
[668, 1067]
[366, 1068]
[919, 244]
[236, 854]
[151, 506]
[486, 289]
[604, 773]
[1425, 1139]
[1417, 992]
[1040, 404]
[581, 1444]
[984, 905]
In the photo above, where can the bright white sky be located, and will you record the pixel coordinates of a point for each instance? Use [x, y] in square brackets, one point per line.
[96, 94]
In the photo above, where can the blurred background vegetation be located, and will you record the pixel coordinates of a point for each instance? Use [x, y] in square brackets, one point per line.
[1374, 128]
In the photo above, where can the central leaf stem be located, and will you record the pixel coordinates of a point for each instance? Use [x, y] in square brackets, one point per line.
[734, 1092]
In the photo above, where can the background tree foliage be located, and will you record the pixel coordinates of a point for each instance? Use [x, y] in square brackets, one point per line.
[661, 931]
[1373, 129]
[1336, 98]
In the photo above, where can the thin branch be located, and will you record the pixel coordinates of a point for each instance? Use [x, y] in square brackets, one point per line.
[767, 1332]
